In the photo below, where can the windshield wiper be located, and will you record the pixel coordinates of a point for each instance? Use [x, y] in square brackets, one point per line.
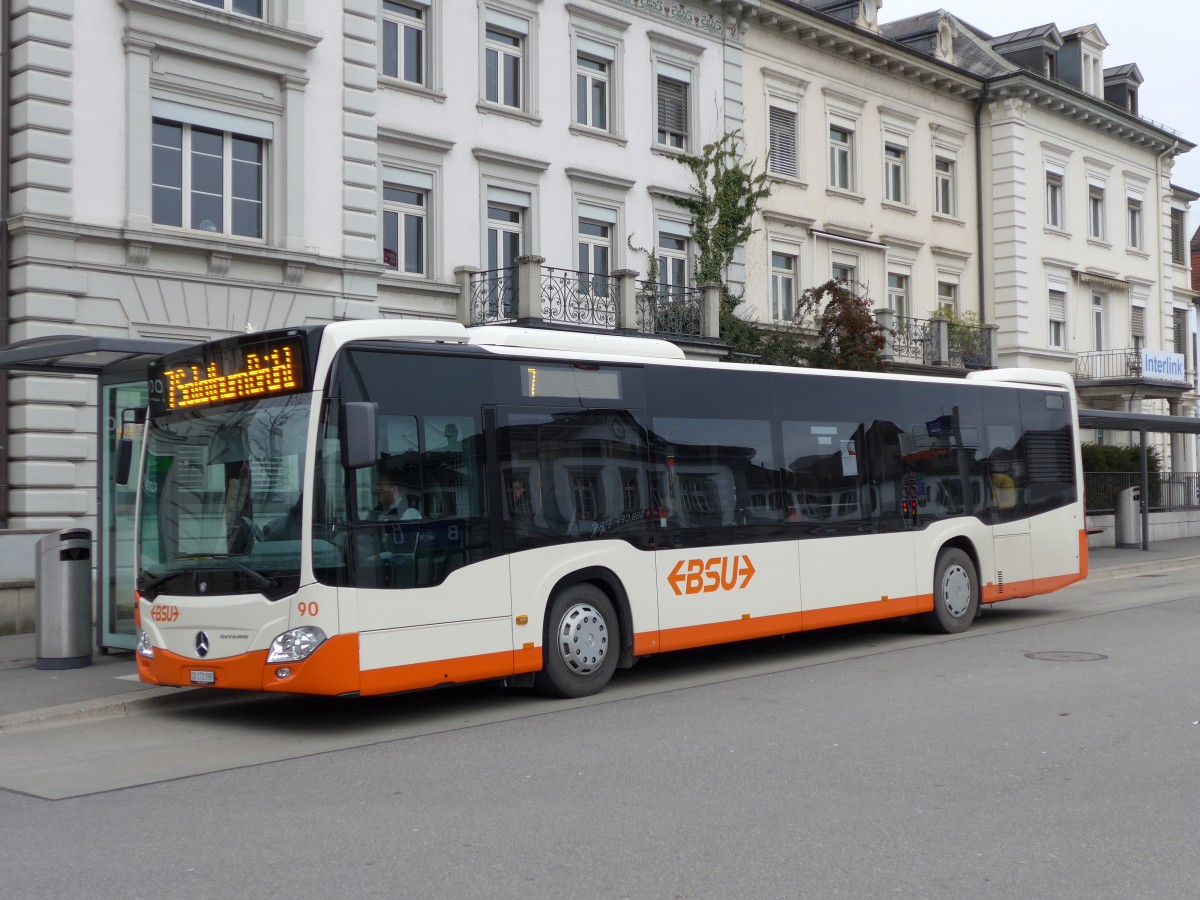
[155, 580]
[261, 581]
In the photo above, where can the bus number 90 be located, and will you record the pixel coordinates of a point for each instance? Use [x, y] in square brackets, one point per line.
[307, 608]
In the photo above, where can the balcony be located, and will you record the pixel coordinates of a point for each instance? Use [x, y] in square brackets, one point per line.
[936, 342]
[532, 294]
[1151, 374]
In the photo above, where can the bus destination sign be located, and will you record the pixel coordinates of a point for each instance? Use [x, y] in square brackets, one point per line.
[244, 372]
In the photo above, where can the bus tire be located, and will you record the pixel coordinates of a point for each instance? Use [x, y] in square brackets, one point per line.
[582, 643]
[955, 593]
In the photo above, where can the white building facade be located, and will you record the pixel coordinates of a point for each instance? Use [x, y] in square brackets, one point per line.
[191, 169]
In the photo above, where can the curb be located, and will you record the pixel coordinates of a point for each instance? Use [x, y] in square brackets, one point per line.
[1142, 568]
[159, 699]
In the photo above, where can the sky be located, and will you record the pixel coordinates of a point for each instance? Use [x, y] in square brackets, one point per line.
[1161, 36]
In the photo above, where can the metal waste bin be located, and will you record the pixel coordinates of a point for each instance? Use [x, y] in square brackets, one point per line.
[1128, 524]
[63, 600]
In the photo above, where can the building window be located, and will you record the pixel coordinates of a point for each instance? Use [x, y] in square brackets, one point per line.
[1178, 238]
[1050, 64]
[404, 42]
[1179, 331]
[1054, 200]
[592, 80]
[504, 57]
[404, 229]
[947, 295]
[585, 495]
[1135, 224]
[1097, 322]
[594, 256]
[783, 287]
[1058, 320]
[253, 8]
[894, 166]
[841, 148]
[1137, 326]
[631, 491]
[505, 228]
[672, 112]
[207, 180]
[943, 186]
[897, 295]
[672, 262]
[1096, 213]
[781, 160]
[844, 273]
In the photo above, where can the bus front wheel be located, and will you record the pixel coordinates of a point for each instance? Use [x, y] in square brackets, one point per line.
[582, 643]
[955, 593]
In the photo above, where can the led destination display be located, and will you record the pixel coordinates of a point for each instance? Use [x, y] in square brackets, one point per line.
[239, 372]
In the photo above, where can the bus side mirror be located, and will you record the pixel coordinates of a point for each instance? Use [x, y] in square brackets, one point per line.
[124, 461]
[132, 420]
[359, 437]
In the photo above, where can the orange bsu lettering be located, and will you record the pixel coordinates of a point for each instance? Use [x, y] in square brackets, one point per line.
[704, 576]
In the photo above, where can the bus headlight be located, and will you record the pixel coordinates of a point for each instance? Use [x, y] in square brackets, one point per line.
[295, 645]
[144, 647]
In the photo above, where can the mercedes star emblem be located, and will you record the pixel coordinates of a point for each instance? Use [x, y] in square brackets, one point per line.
[201, 644]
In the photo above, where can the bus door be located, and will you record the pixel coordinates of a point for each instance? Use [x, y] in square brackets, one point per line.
[1011, 541]
[574, 494]
[409, 535]
[726, 570]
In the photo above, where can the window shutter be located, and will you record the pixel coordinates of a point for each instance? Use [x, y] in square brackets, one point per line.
[1177, 227]
[1179, 321]
[1058, 306]
[783, 141]
[1137, 321]
[672, 105]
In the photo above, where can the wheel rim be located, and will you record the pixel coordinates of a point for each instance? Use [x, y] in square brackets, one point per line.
[956, 590]
[582, 639]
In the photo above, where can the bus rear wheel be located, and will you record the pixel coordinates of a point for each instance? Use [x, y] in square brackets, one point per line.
[955, 593]
[582, 643]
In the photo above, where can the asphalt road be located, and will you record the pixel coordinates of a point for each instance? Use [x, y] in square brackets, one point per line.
[1051, 751]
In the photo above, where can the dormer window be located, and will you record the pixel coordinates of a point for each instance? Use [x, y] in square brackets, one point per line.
[1050, 64]
[1132, 105]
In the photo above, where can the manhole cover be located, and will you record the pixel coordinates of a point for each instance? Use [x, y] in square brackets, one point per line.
[1066, 656]
[1154, 575]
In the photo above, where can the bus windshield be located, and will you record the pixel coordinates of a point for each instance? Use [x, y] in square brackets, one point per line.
[221, 509]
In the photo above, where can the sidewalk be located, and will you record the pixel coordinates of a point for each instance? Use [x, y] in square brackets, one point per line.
[32, 697]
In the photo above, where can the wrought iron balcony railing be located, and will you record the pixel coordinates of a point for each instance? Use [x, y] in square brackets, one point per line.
[493, 296]
[578, 298]
[922, 341]
[670, 310]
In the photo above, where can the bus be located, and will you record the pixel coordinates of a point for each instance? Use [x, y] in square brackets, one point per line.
[372, 507]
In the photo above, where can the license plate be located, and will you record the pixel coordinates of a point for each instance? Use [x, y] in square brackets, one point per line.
[203, 677]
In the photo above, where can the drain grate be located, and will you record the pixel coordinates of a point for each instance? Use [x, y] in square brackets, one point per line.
[1065, 656]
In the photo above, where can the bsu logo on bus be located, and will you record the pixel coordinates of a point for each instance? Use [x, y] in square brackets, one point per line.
[703, 576]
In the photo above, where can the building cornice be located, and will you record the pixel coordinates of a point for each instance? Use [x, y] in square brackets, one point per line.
[1091, 112]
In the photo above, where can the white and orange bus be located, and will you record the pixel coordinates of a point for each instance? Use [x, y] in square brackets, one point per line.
[383, 506]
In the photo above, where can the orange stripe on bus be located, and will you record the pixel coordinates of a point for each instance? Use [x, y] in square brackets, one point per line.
[783, 623]
[1083, 554]
[393, 679]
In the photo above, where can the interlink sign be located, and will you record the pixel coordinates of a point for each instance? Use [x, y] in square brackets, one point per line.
[1159, 365]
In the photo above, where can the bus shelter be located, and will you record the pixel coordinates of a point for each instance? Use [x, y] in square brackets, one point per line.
[119, 367]
[1142, 425]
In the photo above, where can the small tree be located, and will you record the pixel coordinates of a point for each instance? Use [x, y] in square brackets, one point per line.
[968, 340]
[847, 335]
[728, 196]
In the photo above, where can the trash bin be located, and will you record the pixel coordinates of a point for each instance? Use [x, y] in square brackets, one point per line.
[63, 600]
[1128, 524]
